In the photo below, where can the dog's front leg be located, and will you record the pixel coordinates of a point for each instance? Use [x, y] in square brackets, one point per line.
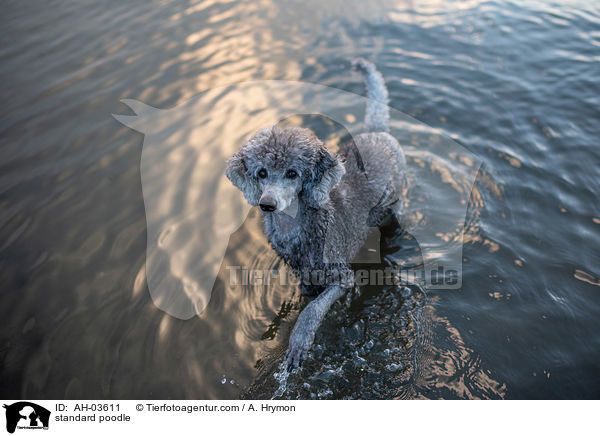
[308, 322]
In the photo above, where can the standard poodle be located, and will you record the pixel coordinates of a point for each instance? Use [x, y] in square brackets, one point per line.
[318, 207]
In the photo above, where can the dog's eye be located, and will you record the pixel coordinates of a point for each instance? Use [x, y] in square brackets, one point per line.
[262, 173]
[291, 174]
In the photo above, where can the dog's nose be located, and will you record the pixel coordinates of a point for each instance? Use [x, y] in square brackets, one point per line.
[268, 204]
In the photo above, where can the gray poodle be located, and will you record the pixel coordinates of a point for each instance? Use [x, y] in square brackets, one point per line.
[317, 206]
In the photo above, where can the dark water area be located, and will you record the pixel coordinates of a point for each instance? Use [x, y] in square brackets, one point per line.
[515, 83]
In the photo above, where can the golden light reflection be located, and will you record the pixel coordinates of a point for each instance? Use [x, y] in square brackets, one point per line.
[586, 277]
[511, 160]
[456, 367]
[163, 328]
[140, 281]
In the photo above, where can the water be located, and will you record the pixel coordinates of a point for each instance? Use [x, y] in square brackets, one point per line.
[514, 82]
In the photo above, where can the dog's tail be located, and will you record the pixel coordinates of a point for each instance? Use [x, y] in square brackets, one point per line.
[377, 116]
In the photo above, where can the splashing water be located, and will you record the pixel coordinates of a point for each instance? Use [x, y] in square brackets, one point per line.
[281, 377]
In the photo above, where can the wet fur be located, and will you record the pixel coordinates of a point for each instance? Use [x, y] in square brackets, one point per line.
[339, 197]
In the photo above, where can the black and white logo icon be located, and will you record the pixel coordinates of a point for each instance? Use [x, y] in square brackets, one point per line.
[26, 415]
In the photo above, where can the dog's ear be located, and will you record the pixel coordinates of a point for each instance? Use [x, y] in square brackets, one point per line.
[238, 173]
[327, 172]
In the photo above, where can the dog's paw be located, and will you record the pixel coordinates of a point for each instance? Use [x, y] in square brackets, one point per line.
[296, 352]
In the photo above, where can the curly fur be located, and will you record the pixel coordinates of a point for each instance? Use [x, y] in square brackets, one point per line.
[338, 197]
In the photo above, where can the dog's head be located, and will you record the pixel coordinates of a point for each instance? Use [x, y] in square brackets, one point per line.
[277, 166]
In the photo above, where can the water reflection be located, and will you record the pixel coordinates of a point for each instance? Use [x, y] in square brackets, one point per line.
[514, 82]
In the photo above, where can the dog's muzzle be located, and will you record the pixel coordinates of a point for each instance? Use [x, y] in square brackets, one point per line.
[268, 203]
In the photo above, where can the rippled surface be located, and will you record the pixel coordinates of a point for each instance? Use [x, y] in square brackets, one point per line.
[515, 83]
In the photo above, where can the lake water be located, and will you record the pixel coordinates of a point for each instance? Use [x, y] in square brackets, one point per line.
[514, 83]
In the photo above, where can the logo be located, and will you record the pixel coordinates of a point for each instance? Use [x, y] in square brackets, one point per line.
[192, 209]
[26, 415]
